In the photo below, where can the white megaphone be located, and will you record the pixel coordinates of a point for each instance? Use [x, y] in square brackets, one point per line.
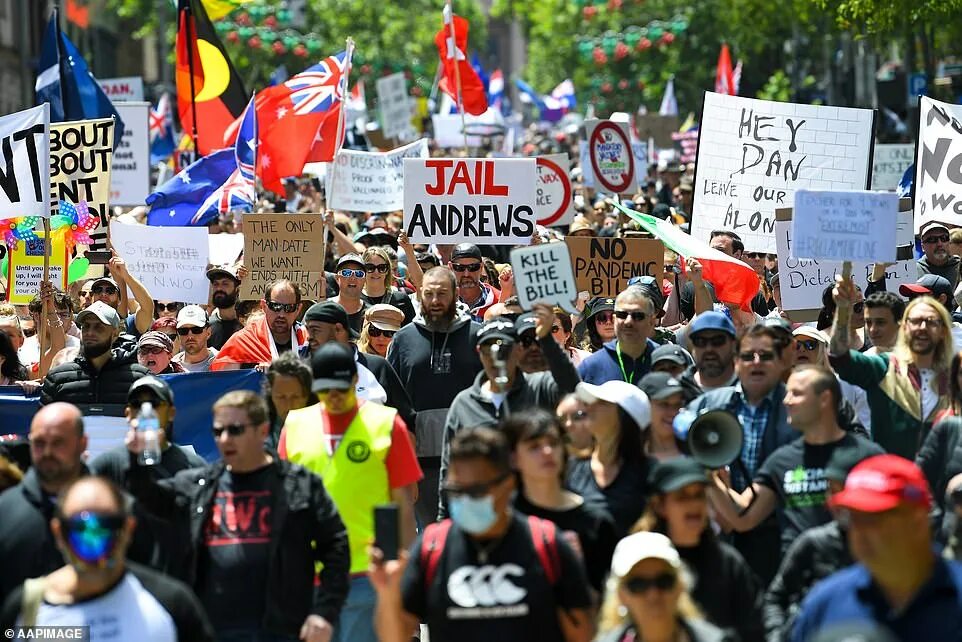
[713, 438]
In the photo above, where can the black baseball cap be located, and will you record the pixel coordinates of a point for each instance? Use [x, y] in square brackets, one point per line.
[333, 366]
[155, 385]
[498, 328]
[671, 352]
[660, 385]
[525, 323]
[674, 474]
[330, 312]
[466, 251]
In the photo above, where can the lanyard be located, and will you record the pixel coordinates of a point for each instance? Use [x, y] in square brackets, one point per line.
[621, 364]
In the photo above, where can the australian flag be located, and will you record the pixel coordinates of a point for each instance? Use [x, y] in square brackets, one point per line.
[161, 131]
[245, 147]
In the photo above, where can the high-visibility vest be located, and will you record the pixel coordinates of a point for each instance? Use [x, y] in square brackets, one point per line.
[356, 475]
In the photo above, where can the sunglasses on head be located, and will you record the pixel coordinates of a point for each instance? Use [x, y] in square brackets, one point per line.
[763, 356]
[234, 430]
[103, 289]
[638, 585]
[168, 307]
[470, 267]
[374, 331]
[636, 315]
[715, 341]
[193, 330]
[810, 345]
[274, 306]
[348, 273]
[381, 269]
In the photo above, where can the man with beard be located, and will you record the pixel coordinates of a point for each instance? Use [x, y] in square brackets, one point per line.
[468, 264]
[57, 445]
[350, 279]
[435, 358]
[532, 357]
[224, 284]
[194, 331]
[277, 332]
[712, 339]
[906, 388]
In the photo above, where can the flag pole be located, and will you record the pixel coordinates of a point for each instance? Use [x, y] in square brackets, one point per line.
[457, 71]
[42, 330]
[188, 23]
[345, 83]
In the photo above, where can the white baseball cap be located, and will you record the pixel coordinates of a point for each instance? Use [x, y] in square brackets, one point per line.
[192, 315]
[642, 546]
[628, 397]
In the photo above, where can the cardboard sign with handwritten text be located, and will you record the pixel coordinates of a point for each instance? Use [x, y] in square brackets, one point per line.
[603, 266]
[283, 246]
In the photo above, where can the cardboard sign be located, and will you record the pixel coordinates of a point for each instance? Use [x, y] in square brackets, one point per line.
[889, 164]
[126, 89]
[395, 105]
[938, 179]
[283, 246]
[657, 127]
[25, 268]
[25, 176]
[543, 274]
[482, 200]
[845, 226]
[554, 204]
[171, 262]
[130, 167]
[80, 160]
[370, 181]
[224, 248]
[754, 154]
[602, 266]
[611, 155]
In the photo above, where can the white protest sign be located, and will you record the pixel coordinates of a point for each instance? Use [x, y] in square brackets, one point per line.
[171, 262]
[543, 274]
[396, 106]
[554, 204]
[754, 154]
[587, 178]
[224, 249]
[481, 200]
[889, 164]
[370, 181]
[938, 166]
[126, 89]
[611, 156]
[130, 165]
[25, 175]
[845, 226]
[448, 132]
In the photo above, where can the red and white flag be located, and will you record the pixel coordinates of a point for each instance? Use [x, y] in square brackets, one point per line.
[453, 57]
[724, 75]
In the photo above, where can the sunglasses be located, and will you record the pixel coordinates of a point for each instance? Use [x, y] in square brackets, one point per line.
[381, 269]
[274, 306]
[810, 345]
[168, 307]
[475, 490]
[103, 289]
[605, 317]
[527, 340]
[636, 315]
[577, 415]
[150, 350]
[638, 585]
[194, 330]
[348, 273]
[715, 341]
[858, 307]
[234, 430]
[470, 267]
[763, 355]
[942, 238]
[755, 255]
[29, 332]
[374, 331]
[92, 536]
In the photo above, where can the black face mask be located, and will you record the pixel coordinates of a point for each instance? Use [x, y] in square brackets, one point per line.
[223, 300]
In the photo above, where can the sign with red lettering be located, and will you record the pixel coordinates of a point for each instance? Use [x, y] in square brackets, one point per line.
[612, 159]
[127, 89]
[481, 200]
[554, 205]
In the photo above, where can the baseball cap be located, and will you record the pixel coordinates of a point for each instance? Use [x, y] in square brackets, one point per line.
[157, 387]
[777, 323]
[333, 367]
[674, 474]
[466, 251]
[928, 226]
[660, 385]
[498, 328]
[811, 332]
[385, 317]
[105, 279]
[599, 304]
[671, 352]
[330, 312]
[525, 323]
[711, 321]
[222, 270]
[642, 546]
[580, 224]
[424, 257]
[192, 315]
[156, 338]
[881, 483]
[932, 284]
[351, 257]
[104, 313]
[627, 396]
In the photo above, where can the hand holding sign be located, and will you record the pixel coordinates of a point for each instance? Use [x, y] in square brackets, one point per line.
[543, 274]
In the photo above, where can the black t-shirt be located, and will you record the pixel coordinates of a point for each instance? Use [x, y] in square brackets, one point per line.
[796, 473]
[623, 499]
[221, 330]
[596, 532]
[237, 538]
[507, 597]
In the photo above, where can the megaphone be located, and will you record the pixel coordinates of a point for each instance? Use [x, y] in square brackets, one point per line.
[713, 438]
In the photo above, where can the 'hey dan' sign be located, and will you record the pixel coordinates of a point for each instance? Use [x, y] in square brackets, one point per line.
[482, 200]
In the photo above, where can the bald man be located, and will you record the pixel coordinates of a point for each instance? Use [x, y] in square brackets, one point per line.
[27, 547]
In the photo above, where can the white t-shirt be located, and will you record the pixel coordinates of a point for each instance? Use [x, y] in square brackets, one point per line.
[930, 398]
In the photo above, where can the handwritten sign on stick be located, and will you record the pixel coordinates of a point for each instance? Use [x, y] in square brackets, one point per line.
[283, 246]
[612, 158]
[370, 181]
[845, 226]
[171, 262]
[543, 274]
[602, 266]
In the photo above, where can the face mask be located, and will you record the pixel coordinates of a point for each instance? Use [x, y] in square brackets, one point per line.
[91, 539]
[473, 515]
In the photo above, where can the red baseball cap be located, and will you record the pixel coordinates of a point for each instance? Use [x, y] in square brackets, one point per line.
[881, 483]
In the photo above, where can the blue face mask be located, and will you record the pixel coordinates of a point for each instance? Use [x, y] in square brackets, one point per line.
[474, 515]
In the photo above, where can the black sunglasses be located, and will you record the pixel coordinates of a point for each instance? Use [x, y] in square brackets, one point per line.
[476, 490]
[374, 331]
[763, 356]
[470, 267]
[858, 307]
[382, 268]
[234, 430]
[715, 341]
[274, 306]
[663, 582]
[636, 315]
[942, 238]
[810, 345]
[195, 330]
[168, 307]
[527, 340]
[103, 289]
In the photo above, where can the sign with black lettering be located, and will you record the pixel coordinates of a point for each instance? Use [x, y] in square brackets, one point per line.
[25, 268]
[482, 200]
[602, 266]
[845, 226]
[171, 262]
[283, 246]
[611, 155]
[555, 204]
[130, 165]
[25, 175]
[370, 181]
[543, 274]
[753, 155]
[938, 166]
[889, 164]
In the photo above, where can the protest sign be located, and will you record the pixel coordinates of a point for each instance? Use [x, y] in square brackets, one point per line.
[171, 262]
[542, 274]
[554, 204]
[602, 266]
[370, 181]
[453, 200]
[587, 178]
[25, 177]
[224, 248]
[395, 105]
[25, 268]
[80, 158]
[844, 226]
[889, 164]
[611, 156]
[754, 154]
[126, 89]
[283, 246]
[130, 166]
[938, 165]
[657, 127]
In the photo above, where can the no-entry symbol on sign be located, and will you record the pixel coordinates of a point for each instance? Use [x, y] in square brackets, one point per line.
[612, 159]
[554, 205]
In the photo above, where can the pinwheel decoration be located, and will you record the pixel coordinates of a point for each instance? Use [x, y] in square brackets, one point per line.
[19, 229]
[73, 223]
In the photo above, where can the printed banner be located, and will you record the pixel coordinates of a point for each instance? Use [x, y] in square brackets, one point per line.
[845, 226]
[611, 156]
[754, 154]
[395, 105]
[938, 166]
[25, 177]
[602, 266]
[554, 203]
[171, 262]
[370, 181]
[25, 268]
[283, 246]
[889, 164]
[130, 167]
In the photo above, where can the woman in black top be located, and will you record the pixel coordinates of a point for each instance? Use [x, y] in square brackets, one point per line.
[538, 456]
[378, 281]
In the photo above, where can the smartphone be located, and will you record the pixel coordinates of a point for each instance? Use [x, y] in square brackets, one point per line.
[387, 530]
[98, 257]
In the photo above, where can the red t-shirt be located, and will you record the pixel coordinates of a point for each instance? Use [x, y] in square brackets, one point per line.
[401, 462]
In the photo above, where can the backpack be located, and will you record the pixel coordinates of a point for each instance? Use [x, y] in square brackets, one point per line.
[544, 536]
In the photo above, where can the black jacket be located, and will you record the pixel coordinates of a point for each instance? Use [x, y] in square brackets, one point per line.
[79, 383]
[302, 514]
[397, 396]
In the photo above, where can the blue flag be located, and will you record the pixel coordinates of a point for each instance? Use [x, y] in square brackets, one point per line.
[65, 81]
[245, 148]
[161, 131]
[529, 91]
[206, 188]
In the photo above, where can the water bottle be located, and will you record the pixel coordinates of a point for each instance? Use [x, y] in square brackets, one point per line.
[149, 426]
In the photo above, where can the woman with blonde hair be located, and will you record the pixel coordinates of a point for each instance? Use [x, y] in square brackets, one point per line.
[381, 323]
[379, 283]
[647, 596]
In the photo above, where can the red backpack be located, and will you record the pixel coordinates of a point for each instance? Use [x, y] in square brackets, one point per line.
[544, 536]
